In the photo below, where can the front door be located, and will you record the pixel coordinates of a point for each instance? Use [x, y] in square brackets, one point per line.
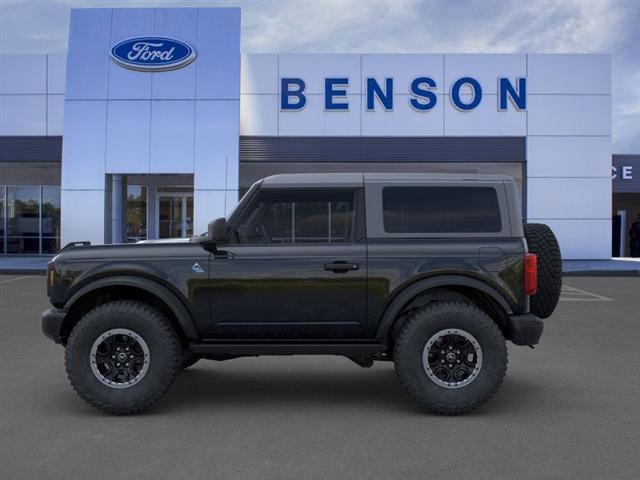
[296, 269]
[175, 215]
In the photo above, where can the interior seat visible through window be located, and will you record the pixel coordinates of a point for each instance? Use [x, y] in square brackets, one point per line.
[299, 217]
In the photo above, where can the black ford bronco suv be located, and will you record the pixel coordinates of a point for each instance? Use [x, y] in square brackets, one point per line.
[432, 272]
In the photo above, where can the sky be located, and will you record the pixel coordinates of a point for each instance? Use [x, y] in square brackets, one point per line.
[397, 26]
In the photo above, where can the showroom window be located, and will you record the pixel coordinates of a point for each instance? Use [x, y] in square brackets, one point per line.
[136, 213]
[29, 220]
[50, 219]
[23, 216]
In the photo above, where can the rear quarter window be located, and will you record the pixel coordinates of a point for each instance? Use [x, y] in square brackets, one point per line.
[441, 209]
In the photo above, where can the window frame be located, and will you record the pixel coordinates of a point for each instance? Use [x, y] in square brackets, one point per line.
[255, 199]
[375, 218]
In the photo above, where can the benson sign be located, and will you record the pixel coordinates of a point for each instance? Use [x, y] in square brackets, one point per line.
[152, 54]
[422, 93]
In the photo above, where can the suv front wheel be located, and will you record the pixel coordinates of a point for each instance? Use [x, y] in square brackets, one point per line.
[122, 357]
[451, 357]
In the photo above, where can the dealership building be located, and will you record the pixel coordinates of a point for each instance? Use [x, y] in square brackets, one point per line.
[154, 122]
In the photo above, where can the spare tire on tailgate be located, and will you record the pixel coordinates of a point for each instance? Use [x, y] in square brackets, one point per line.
[542, 242]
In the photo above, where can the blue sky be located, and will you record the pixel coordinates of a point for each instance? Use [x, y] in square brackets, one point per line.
[397, 26]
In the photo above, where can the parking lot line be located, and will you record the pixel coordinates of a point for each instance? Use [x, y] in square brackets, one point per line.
[15, 279]
[572, 294]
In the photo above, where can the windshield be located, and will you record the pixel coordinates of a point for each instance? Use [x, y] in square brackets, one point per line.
[238, 208]
[242, 203]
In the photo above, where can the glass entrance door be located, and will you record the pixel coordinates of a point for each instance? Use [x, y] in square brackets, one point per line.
[175, 215]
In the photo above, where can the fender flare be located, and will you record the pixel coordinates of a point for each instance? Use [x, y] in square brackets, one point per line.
[174, 303]
[407, 293]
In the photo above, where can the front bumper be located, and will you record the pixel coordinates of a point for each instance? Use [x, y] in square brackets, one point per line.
[524, 329]
[52, 320]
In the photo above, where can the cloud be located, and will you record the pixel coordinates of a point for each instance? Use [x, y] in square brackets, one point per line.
[379, 26]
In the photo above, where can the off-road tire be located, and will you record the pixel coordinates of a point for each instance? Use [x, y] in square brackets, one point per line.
[409, 345]
[189, 358]
[164, 363]
[542, 242]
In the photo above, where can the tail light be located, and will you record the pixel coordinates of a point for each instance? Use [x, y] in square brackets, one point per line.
[530, 274]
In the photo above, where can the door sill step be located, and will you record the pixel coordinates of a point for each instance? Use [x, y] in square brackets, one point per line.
[248, 348]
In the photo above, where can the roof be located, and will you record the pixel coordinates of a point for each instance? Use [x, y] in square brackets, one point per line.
[440, 177]
[358, 179]
[313, 180]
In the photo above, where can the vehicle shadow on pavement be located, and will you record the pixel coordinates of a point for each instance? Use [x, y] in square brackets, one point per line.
[206, 387]
[377, 389]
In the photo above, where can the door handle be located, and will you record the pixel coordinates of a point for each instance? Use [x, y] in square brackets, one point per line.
[341, 267]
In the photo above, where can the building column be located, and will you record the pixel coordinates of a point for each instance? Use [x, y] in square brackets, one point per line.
[118, 204]
[152, 212]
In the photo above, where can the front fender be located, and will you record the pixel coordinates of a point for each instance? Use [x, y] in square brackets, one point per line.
[175, 304]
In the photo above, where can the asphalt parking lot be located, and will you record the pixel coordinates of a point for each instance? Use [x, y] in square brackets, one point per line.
[568, 409]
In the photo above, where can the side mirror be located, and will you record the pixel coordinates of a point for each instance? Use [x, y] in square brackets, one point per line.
[217, 230]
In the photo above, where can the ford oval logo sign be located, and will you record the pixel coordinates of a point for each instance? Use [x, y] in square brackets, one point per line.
[153, 54]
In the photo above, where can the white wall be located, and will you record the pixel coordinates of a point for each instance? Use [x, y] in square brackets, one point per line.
[31, 94]
[569, 150]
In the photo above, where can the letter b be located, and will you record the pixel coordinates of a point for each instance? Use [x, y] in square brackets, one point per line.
[287, 94]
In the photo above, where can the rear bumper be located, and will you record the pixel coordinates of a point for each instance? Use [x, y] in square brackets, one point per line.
[52, 320]
[525, 329]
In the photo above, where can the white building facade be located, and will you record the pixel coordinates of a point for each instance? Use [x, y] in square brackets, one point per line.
[160, 152]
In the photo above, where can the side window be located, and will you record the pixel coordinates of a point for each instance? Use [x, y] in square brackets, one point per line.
[441, 210]
[282, 217]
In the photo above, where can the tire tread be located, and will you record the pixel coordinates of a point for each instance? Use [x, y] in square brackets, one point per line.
[403, 367]
[166, 332]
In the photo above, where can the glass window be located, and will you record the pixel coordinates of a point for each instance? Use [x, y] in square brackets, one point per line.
[189, 219]
[50, 219]
[440, 210]
[253, 171]
[23, 219]
[288, 217]
[136, 213]
[29, 220]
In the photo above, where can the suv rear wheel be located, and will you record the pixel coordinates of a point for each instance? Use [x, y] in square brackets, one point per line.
[122, 357]
[451, 357]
